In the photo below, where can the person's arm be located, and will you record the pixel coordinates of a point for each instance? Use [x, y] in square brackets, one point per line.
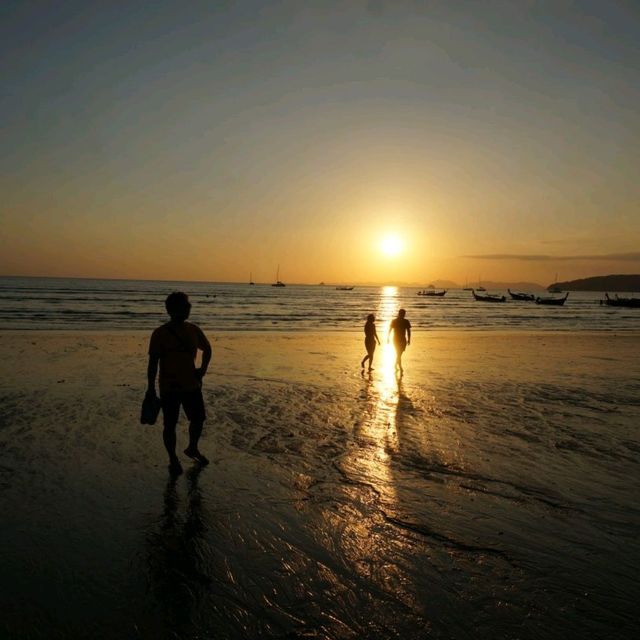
[408, 334]
[152, 372]
[205, 346]
[375, 333]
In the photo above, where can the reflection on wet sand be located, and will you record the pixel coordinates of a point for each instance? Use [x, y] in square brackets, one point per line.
[457, 503]
[176, 551]
[368, 542]
[375, 430]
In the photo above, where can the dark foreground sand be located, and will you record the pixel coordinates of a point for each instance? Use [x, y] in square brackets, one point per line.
[491, 493]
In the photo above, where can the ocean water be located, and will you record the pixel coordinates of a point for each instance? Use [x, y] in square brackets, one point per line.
[86, 304]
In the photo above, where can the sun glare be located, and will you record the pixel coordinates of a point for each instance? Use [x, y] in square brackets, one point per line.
[391, 246]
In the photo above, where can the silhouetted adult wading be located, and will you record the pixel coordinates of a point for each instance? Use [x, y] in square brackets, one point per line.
[370, 339]
[401, 329]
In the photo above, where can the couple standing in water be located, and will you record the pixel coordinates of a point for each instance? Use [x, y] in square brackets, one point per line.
[401, 329]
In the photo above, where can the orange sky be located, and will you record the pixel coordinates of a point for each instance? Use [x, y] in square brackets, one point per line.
[206, 144]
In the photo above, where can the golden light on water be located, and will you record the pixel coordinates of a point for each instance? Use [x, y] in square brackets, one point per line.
[371, 462]
[386, 356]
[377, 430]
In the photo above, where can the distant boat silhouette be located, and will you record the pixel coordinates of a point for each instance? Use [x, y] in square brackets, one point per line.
[278, 282]
[521, 296]
[488, 297]
[344, 288]
[558, 302]
[621, 302]
[432, 293]
[554, 288]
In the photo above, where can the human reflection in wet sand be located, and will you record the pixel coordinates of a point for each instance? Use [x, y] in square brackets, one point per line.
[175, 557]
[371, 460]
[404, 407]
[382, 429]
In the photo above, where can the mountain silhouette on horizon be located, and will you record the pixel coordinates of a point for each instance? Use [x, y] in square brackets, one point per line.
[616, 283]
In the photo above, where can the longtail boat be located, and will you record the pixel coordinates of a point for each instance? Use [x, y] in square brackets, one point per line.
[631, 303]
[488, 297]
[432, 294]
[558, 302]
[521, 296]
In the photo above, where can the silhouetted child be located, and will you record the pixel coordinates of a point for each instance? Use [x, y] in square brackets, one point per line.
[174, 347]
[370, 339]
[401, 328]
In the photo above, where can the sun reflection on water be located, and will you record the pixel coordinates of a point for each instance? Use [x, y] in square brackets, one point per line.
[368, 465]
[377, 429]
[385, 383]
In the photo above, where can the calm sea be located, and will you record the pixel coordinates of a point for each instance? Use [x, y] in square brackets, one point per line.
[86, 304]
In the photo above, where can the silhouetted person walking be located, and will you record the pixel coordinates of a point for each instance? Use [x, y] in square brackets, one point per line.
[174, 347]
[370, 339]
[401, 328]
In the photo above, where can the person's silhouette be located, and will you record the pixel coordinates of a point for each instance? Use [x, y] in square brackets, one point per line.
[370, 339]
[401, 329]
[174, 347]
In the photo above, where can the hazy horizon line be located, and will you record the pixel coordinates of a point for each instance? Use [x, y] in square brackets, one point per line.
[365, 283]
[449, 283]
[630, 257]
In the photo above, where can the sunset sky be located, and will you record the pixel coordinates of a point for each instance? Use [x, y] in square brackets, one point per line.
[208, 140]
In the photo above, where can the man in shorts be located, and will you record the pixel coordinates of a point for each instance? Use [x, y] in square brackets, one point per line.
[401, 328]
[174, 347]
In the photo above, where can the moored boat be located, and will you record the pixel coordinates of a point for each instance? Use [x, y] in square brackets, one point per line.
[487, 298]
[554, 288]
[558, 302]
[629, 303]
[432, 293]
[521, 296]
[278, 282]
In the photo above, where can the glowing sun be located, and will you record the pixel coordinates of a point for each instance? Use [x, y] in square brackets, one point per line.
[391, 246]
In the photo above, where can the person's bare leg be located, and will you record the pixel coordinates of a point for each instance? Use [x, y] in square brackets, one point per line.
[195, 431]
[169, 439]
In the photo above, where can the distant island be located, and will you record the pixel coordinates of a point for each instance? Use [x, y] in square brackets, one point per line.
[625, 283]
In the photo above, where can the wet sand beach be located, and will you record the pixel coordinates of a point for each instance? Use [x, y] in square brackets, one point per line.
[492, 492]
